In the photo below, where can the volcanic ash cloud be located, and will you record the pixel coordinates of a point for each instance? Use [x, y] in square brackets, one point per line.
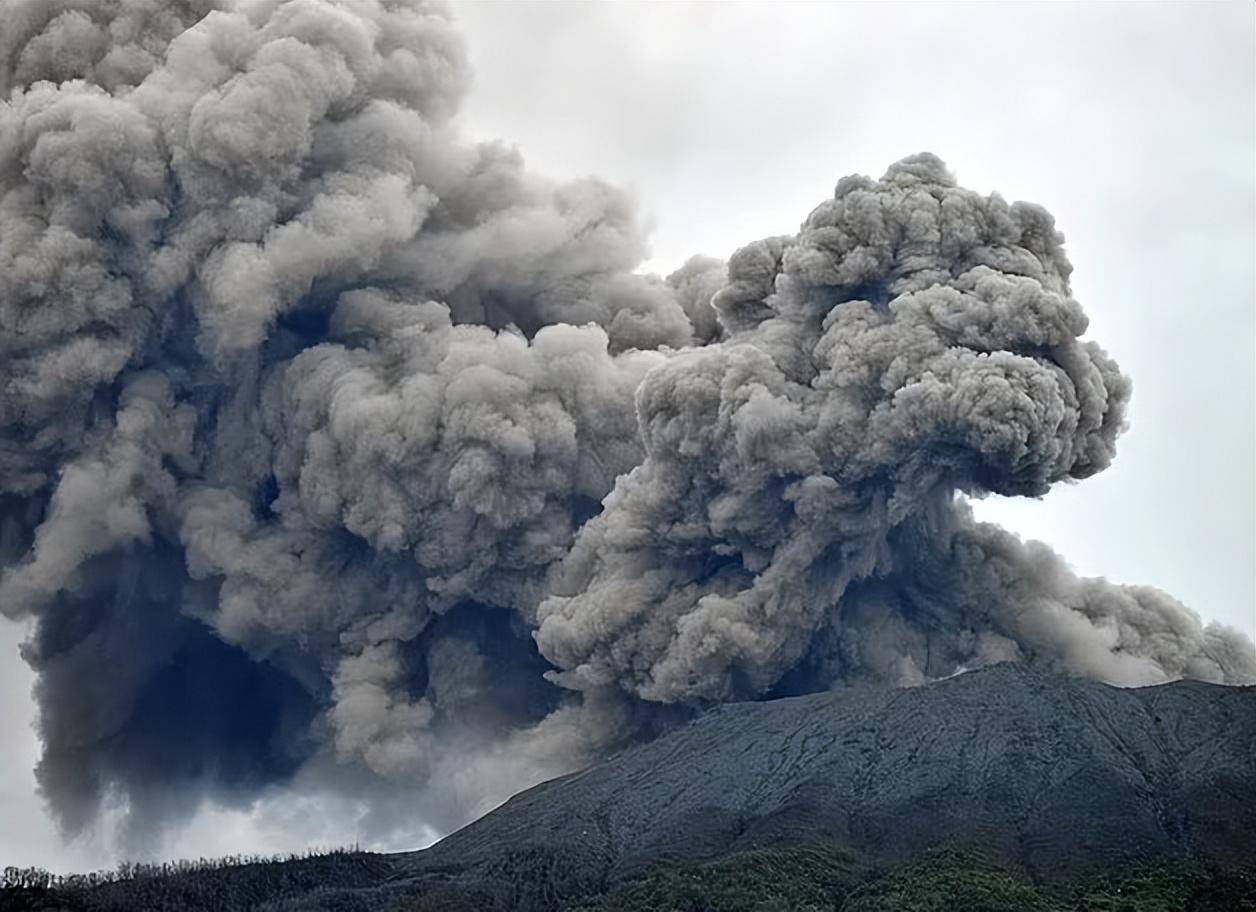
[795, 514]
[338, 450]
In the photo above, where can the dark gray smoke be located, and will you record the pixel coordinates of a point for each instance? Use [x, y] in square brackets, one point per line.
[335, 446]
[795, 515]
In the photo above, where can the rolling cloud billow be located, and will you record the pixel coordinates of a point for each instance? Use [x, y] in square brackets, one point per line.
[332, 441]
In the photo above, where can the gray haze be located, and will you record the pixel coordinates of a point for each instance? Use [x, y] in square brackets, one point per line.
[347, 464]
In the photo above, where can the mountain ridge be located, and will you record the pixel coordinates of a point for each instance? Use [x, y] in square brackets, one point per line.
[1047, 780]
[871, 724]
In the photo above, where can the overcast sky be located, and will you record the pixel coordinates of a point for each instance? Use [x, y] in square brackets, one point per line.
[1134, 124]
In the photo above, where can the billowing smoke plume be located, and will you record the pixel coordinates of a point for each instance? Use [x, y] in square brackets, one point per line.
[330, 441]
[795, 514]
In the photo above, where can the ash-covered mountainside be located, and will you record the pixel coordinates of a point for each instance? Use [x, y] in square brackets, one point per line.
[1055, 780]
[1056, 775]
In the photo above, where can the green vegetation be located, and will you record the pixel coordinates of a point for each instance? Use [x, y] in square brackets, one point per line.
[801, 878]
[946, 881]
[804, 879]
[1173, 886]
[812, 879]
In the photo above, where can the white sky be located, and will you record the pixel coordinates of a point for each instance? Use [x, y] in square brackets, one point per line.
[1135, 124]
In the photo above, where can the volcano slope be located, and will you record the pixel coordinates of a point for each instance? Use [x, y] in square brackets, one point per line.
[1060, 777]
[1052, 781]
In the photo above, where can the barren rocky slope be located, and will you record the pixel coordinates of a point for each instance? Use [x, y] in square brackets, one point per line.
[1057, 775]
